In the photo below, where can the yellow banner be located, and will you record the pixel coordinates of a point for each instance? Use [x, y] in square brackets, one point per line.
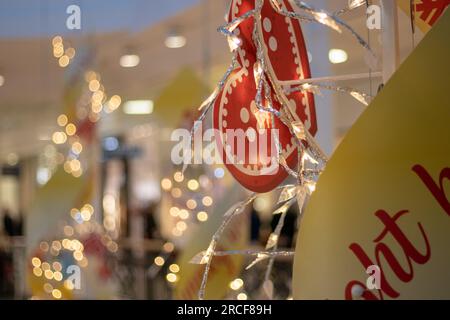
[426, 12]
[384, 198]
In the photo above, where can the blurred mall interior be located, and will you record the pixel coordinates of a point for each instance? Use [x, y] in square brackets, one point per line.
[103, 196]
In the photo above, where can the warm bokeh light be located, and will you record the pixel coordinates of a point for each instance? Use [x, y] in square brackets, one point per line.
[207, 201]
[159, 261]
[202, 216]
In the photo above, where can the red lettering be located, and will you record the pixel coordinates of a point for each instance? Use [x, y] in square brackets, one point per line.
[437, 190]
[381, 249]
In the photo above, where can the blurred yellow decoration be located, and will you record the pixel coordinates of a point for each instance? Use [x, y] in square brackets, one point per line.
[384, 197]
[185, 93]
[223, 269]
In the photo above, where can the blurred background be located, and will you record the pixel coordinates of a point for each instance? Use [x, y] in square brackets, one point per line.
[94, 208]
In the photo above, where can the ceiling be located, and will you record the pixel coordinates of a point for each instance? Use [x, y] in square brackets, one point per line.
[31, 97]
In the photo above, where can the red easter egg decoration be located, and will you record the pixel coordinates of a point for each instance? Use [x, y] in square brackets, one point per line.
[245, 134]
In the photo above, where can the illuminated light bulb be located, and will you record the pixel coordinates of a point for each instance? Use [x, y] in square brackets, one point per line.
[236, 284]
[325, 19]
[257, 72]
[191, 204]
[48, 288]
[68, 231]
[202, 216]
[168, 247]
[181, 225]
[71, 129]
[83, 263]
[37, 271]
[56, 245]
[242, 296]
[166, 184]
[94, 85]
[94, 117]
[2, 80]
[207, 201]
[56, 40]
[48, 274]
[171, 277]
[58, 51]
[96, 107]
[233, 42]
[178, 176]
[64, 61]
[114, 102]
[307, 156]
[43, 246]
[62, 120]
[85, 215]
[36, 262]
[67, 167]
[183, 214]
[78, 255]
[56, 294]
[89, 208]
[59, 137]
[337, 56]
[360, 97]
[176, 192]
[113, 247]
[70, 52]
[193, 184]
[90, 75]
[98, 96]
[352, 4]
[57, 266]
[177, 232]
[75, 165]
[174, 211]
[159, 261]
[68, 285]
[299, 130]
[57, 276]
[77, 147]
[174, 268]
[74, 213]
[311, 186]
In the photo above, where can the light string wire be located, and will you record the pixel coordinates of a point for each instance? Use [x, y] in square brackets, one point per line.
[309, 151]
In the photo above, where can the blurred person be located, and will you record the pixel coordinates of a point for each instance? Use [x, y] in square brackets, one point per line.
[287, 235]
[151, 227]
[255, 225]
[8, 223]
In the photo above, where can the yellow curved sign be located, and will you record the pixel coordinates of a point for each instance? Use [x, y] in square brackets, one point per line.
[384, 198]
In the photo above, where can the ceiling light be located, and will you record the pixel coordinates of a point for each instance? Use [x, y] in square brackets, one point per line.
[138, 107]
[337, 56]
[2, 80]
[175, 42]
[129, 60]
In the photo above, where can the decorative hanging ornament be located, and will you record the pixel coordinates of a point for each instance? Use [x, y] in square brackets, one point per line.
[248, 137]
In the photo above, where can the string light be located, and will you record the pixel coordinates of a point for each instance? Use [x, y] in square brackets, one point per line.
[159, 261]
[174, 268]
[171, 277]
[202, 216]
